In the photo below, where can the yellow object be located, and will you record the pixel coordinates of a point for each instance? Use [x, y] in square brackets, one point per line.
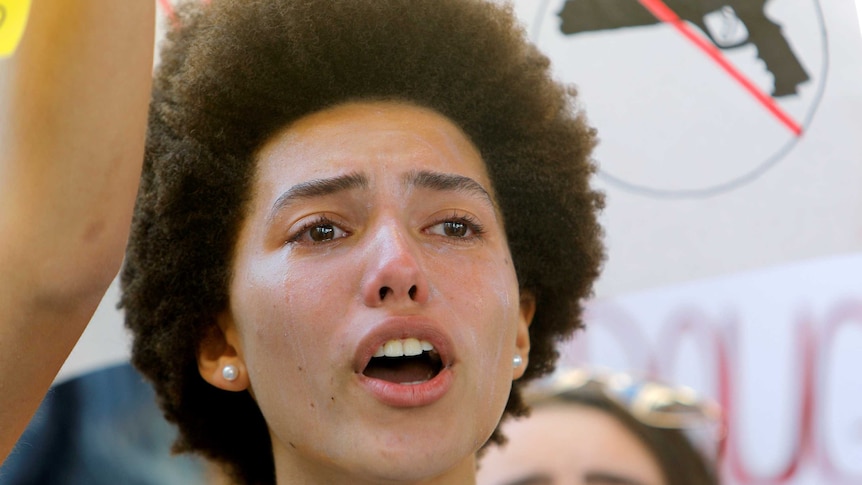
[13, 20]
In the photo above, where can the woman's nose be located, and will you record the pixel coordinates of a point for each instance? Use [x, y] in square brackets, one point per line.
[393, 272]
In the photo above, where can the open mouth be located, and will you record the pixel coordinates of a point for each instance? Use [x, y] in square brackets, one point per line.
[404, 361]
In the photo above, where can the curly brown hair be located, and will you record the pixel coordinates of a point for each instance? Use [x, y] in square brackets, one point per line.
[235, 73]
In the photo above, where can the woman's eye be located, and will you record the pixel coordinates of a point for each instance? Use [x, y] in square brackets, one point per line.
[319, 232]
[324, 232]
[455, 229]
[458, 228]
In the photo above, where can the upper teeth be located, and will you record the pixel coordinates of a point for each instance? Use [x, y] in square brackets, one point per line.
[403, 347]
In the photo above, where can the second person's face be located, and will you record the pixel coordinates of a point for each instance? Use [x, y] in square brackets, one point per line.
[374, 304]
[569, 444]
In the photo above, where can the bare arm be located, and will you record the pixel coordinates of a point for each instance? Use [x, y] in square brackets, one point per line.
[73, 103]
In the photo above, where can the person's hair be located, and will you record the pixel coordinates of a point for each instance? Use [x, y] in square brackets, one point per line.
[680, 461]
[233, 74]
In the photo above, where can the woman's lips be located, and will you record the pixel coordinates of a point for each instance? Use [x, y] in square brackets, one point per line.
[409, 395]
[401, 347]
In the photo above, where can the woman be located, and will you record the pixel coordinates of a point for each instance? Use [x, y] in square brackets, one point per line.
[358, 222]
[597, 428]
[329, 181]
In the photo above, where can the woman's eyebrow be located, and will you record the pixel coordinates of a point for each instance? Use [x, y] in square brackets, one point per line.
[318, 188]
[610, 478]
[532, 479]
[447, 182]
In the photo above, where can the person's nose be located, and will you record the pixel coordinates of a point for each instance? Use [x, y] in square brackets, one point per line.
[393, 271]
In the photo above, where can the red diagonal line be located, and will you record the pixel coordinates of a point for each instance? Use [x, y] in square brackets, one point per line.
[664, 13]
[169, 11]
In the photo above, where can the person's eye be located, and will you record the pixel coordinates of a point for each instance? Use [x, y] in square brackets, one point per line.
[320, 230]
[458, 227]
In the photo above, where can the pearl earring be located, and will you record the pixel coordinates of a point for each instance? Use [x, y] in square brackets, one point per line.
[517, 360]
[230, 372]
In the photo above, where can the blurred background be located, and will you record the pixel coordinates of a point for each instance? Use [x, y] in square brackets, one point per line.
[730, 155]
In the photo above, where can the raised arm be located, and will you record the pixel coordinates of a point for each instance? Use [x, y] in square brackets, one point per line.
[73, 102]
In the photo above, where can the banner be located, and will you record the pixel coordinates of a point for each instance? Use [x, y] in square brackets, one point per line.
[730, 158]
[729, 129]
[778, 348]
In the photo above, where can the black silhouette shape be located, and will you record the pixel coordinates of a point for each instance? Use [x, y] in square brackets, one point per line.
[772, 47]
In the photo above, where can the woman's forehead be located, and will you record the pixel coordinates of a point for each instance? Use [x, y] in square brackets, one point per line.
[368, 138]
[363, 117]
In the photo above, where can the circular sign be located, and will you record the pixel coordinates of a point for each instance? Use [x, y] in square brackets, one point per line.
[691, 97]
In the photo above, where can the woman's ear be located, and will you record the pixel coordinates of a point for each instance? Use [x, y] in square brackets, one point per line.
[219, 360]
[522, 338]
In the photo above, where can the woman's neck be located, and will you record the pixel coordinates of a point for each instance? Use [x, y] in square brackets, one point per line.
[296, 468]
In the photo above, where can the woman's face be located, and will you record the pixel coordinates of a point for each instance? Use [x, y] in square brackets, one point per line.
[569, 444]
[374, 308]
